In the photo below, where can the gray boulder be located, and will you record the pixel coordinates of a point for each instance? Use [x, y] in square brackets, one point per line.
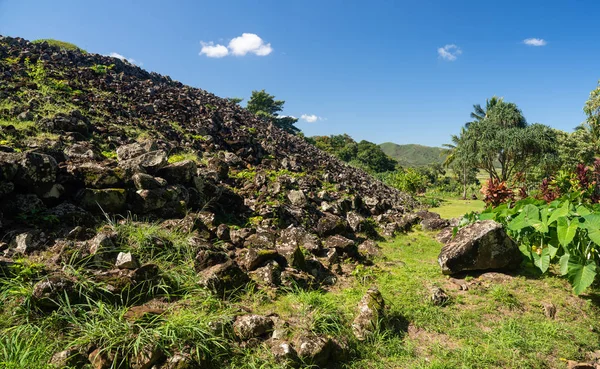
[222, 278]
[483, 245]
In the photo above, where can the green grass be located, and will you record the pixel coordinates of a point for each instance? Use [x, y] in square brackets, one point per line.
[175, 158]
[60, 44]
[453, 208]
[498, 322]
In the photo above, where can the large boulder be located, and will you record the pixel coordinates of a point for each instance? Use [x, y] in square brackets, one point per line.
[111, 200]
[179, 173]
[483, 245]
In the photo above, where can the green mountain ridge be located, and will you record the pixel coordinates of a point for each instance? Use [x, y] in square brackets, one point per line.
[413, 155]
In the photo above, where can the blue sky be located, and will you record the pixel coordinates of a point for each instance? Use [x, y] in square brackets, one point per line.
[370, 69]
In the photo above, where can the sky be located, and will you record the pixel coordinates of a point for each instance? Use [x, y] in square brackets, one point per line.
[399, 71]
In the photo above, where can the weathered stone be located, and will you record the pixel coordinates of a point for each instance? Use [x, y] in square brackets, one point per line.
[97, 176]
[445, 235]
[288, 247]
[146, 358]
[293, 278]
[135, 149]
[283, 351]
[238, 236]
[356, 221]
[369, 250]
[223, 232]
[101, 359]
[315, 350]
[480, 246]
[126, 260]
[252, 258]
[439, 296]
[342, 244]
[261, 240]
[297, 197]
[83, 150]
[36, 170]
[371, 311]
[48, 292]
[252, 326]
[22, 205]
[222, 278]
[208, 258]
[180, 361]
[268, 275]
[150, 162]
[331, 224]
[27, 242]
[111, 200]
[179, 173]
[434, 224]
[68, 358]
[143, 181]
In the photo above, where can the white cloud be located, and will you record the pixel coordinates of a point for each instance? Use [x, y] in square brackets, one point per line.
[449, 52]
[247, 43]
[310, 118]
[534, 41]
[213, 51]
[119, 56]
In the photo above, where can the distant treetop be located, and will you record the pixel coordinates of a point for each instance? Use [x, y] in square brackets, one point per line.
[61, 44]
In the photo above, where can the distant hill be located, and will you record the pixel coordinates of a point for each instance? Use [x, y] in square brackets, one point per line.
[412, 155]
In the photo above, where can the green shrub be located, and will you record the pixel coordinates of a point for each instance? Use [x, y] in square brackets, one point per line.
[407, 180]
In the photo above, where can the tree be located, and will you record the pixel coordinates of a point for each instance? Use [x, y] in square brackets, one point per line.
[592, 123]
[479, 113]
[265, 106]
[461, 158]
[502, 143]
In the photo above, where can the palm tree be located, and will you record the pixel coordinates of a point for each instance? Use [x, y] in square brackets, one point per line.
[457, 152]
[478, 114]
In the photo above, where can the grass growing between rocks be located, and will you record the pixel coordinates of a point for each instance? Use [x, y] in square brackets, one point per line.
[497, 322]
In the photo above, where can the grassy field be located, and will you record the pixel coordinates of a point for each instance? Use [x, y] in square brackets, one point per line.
[498, 322]
[490, 321]
[453, 208]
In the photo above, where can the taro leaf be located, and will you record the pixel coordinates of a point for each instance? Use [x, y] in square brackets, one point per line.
[526, 250]
[563, 211]
[488, 216]
[592, 224]
[542, 261]
[583, 211]
[528, 218]
[552, 250]
[566, 230]
[581, 275]
[564, 264]
[542, 225]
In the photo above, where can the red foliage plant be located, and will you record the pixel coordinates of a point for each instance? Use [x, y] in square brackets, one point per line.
[496, 192]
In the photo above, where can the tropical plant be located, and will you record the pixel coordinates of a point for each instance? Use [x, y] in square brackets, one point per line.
[560, 231]
[478, 114]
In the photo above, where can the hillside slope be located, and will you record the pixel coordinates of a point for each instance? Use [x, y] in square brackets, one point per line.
[413, 155]
[123, 191]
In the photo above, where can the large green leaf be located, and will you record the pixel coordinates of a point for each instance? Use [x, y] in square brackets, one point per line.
[566, 230]
[542, 261]
[592, 224]
[563, 211]
[583, 211]
[581, 275]
[564, 264]
[529, 217]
